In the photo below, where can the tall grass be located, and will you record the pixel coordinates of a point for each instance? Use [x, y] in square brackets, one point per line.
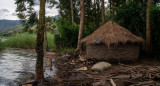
[1, 45]
[27, 40]
[22, 40]
[50, 39]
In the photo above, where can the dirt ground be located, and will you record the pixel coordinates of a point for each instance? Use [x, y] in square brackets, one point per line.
[75, 72]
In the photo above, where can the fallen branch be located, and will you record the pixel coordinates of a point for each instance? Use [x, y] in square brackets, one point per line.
[145, 83]
[112, 82]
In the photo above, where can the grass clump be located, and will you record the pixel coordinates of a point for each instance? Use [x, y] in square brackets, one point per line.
[27, 40]
[50, 39]
[22, 40]
[1, 45]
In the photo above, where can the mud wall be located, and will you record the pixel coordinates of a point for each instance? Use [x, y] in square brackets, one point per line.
[102, 52]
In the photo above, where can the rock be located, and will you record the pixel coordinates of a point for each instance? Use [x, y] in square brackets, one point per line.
[101, 66]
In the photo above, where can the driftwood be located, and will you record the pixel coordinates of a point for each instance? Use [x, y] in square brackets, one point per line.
[145, 83]
[112, 82]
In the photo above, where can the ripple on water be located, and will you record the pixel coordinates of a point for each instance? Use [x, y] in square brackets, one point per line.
[17, 66]
[10, 62]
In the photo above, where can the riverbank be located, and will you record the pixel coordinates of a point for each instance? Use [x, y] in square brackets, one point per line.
[25, 40]
[74, 72]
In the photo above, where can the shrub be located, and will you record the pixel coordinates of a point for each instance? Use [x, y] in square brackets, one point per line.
[68, 34]
[155, 27]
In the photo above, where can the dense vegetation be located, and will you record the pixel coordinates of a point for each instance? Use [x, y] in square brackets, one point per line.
[130, 14]
[26, 40]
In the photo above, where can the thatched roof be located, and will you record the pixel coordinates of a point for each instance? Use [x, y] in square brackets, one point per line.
[112, 33]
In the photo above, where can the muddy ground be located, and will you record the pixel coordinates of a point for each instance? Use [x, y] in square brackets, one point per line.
[77, 72]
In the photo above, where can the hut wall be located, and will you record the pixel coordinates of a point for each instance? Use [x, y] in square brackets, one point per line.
[102, 52]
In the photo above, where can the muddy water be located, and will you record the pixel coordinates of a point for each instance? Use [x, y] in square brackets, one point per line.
[17, 66]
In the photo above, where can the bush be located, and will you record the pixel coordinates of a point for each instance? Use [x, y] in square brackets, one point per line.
[155, 27]
[68, 34]
[132, 16]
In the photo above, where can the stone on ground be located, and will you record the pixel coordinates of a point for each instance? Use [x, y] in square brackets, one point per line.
[101, 66]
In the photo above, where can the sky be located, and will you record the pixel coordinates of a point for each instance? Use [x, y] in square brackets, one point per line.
[7, 10]
[8, 7]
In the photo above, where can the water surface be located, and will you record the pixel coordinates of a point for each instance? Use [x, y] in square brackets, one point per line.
[17, 65]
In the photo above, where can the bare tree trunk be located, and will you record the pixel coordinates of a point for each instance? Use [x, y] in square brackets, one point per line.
[148, 28]
[72, 12]
[39, 45]
[95, 11]
[103, 14]
[110, 6]
[45, 38]
[113, 2]
[81, 27]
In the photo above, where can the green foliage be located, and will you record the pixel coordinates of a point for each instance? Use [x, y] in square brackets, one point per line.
[93, 16]
[1, 45]
[155, 27]
[50, 24]
[26, 13]
[132, 16]
[26, 40]
[12, 31]
[23, 40]
[68, 34]
[50, 38]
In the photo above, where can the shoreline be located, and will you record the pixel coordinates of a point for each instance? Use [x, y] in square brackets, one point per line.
[71, 71]
[121, 74]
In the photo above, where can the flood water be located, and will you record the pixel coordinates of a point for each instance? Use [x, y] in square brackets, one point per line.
[17, 66]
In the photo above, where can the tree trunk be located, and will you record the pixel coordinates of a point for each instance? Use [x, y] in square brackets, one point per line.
[148, 28]
[110, 6]
[81, 27]
[103, 14]
[95, 12]
[113, 2]
[45, 38]
[72, 12]
[39, 44]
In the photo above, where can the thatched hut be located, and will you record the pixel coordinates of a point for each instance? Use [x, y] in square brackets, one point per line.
[112, 41]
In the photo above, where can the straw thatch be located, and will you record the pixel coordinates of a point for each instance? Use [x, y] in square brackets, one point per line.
[112, 33]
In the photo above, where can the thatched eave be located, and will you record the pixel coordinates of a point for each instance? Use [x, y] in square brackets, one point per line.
[112, 33]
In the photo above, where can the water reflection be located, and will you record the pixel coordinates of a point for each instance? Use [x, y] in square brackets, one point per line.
[17, 66]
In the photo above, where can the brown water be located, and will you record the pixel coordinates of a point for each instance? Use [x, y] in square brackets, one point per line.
[17, 66]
